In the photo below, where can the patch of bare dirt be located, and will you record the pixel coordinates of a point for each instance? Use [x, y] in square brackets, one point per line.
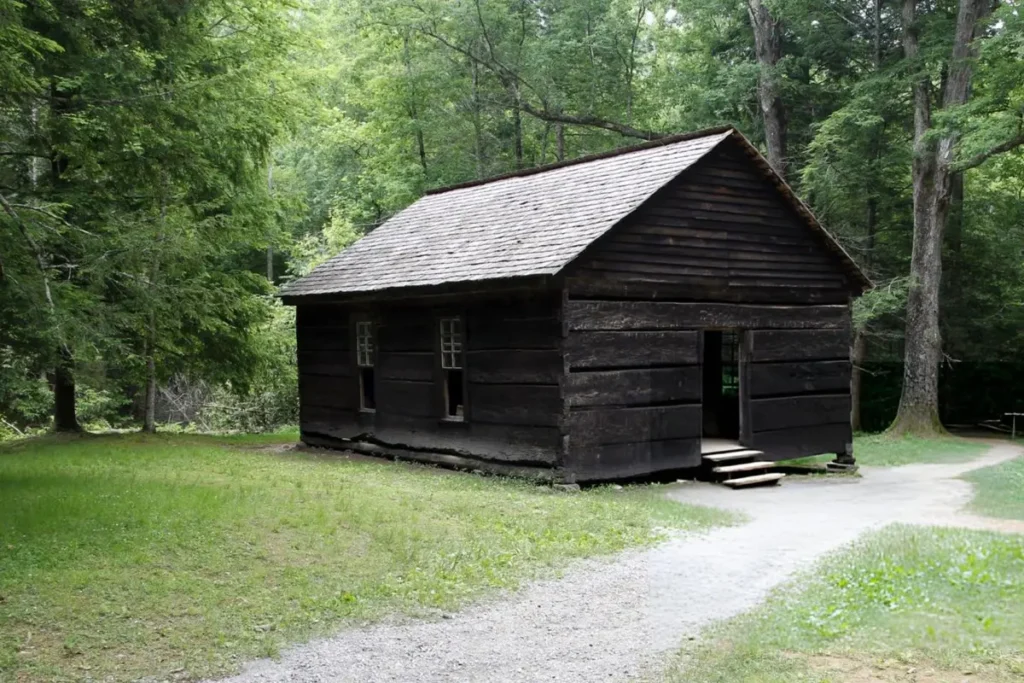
[982, 523]
[851, 669]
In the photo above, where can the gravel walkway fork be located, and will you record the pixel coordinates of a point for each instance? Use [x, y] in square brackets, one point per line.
[615, 619]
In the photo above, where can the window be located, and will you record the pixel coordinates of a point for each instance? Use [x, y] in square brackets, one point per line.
[451, 343]
[364, 344]
[365, 357]
[451, 366]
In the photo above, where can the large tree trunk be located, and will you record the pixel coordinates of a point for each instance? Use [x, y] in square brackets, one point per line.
[918, 409]
[768, 48]
[919, 403]
[65, 416]
[933, 188]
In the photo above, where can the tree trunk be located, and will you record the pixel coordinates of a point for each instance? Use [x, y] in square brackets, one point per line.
[560, 141]
[517, 124]
[544, 144]
[768, 49]
[859, 353]
[412, 108]
[858, 356]
[149, 420]
[478, 136]
[270, 247]
[933, 185]
[918, 410]
[65, 415]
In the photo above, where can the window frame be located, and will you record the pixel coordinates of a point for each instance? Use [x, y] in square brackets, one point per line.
[451, 352]
[452, 349]
[366, 360]
[366, 344]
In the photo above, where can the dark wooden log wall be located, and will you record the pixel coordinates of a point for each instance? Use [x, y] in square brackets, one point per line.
[719, 232]
[513, 372]
[799, 391]
[718, 248]
[632, 395]
[328, 386]
[647, 395]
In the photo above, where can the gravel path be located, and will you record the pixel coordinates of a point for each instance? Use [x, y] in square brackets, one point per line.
[615, 619]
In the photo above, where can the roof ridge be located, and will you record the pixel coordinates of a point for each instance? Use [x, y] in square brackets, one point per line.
[657, 142]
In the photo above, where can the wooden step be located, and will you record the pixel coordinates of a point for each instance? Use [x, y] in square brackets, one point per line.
[744, 467]
[756, 480]
[732, 455]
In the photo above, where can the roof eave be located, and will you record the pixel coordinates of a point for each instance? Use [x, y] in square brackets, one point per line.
[523, 283]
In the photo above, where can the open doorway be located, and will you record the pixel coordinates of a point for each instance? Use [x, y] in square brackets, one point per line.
[721, 387]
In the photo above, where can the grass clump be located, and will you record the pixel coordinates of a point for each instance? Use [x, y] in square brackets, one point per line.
[904, 599]
[130, 556]
[885, 450]
[999, 490]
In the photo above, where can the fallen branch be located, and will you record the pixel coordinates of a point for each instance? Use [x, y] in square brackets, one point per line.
[20, 433]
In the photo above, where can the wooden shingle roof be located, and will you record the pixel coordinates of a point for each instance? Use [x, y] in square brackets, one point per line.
[525, 224]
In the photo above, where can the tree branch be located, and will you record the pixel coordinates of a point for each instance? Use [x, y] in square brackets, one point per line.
[511, 79]
[592, 122]
[982, 157]
[9, 210]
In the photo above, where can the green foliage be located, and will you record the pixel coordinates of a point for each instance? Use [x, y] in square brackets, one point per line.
[151, 159]
[135, 185]
[186, 552]
[904, 598]
[270, 399]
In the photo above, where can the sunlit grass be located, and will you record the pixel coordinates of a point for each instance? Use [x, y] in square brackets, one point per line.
[883, 450]
[129, 556]
[906, 598]
[999, 490]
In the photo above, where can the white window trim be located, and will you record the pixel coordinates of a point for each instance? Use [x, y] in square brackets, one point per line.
[450, 330]
[365, 350]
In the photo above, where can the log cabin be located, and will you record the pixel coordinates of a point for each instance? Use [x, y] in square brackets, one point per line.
[610, 317]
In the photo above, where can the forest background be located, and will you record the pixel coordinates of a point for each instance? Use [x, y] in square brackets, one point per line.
[164, 166]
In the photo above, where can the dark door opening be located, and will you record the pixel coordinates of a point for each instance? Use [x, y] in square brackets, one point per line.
[721, 384]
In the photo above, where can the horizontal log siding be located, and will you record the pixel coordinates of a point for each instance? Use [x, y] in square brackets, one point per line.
[513, 369]
[607, 350]
[799, 388]
[632, 392]
[328, 388]
[719, 232]
[664, 315]
[514, 366]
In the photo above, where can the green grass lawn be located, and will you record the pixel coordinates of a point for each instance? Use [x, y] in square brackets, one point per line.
[905, 604]
[999, 490]
[128, 556]
[888, 451]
